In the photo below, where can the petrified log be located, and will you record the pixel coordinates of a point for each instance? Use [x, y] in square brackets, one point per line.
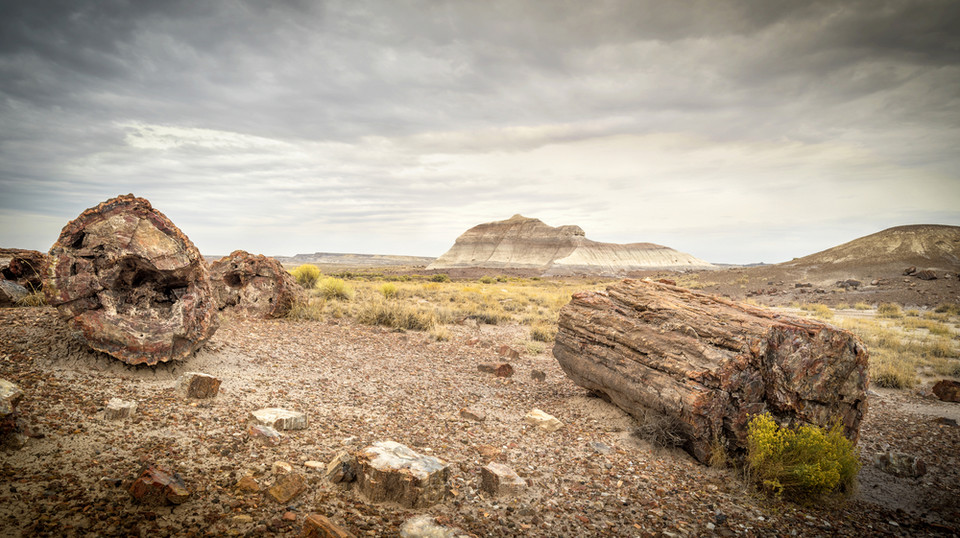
[709, 363]
[25, 267]
[132, 282]
[256, 285]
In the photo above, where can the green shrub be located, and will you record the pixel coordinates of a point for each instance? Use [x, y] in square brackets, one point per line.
[389, 291]
[861, 306]
[487, 279]
[803, 463]
[334, 288]
[396, 315]
[440, 277]
[947, 308]
[310, 310]
[889, 310]
[307, 275]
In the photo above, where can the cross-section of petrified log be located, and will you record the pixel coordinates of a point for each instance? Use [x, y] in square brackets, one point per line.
[132, 282]
[256, 285]
[25, 267]
[710, 363]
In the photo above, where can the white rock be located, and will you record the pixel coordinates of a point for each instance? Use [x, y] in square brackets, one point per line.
[279, 419]
[10, 395]
[118, 409]
[425, 526]
[543, 421]
[498, 479]
[281, 467]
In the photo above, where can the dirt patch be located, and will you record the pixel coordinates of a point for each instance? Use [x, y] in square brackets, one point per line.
[360, 384]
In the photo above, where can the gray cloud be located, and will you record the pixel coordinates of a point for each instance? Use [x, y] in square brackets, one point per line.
[393, 126]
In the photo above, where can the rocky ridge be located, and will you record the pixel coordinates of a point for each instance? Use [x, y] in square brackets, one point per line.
[527, 243]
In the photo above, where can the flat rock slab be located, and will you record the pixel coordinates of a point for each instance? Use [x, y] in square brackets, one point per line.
[131, 282]
[279, 418]
[499, 480]
[197, 385]
[156, 485]
[118, 409]
[543, 420]
[390, 472]
[499, 370]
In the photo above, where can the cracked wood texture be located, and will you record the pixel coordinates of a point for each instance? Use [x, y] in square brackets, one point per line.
[131, 282]
[257, 286]
[710, 363]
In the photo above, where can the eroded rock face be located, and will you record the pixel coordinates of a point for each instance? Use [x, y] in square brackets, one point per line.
[255, 285]
[131, 282]
[524, 243]
[25, 267]
[710, 363]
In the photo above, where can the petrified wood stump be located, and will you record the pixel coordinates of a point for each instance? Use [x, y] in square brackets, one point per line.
[132, 282]
[255, 285]
[710, 363]
[25, 267]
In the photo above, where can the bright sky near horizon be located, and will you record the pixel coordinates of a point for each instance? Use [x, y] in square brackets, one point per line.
[736, 131]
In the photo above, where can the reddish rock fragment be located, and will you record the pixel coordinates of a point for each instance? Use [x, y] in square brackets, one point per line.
[473, 414]
[258, 286]
[947, 390]
[248, 484]
[10, 431]
[926, 274]
[318, 526]
[25, 267]
[287, 487]
[158, 486]
[197, 385]
[508, 352]
[131, 282]
[500, 370]
[264, 434]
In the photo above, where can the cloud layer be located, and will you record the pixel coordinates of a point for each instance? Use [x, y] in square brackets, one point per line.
[736, 131]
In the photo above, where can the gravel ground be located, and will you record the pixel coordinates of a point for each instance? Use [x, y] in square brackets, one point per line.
[360, 384]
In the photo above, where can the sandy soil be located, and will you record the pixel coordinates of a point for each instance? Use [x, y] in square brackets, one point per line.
[361, 384]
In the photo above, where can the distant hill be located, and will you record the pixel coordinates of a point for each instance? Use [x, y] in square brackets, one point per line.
[354, 260]
[926, 246]
[527, 243]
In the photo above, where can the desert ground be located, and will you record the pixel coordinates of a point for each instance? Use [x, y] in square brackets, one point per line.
[602, 474]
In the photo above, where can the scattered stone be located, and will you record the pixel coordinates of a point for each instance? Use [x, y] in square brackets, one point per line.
[281, 467]
[10, 431]
[425, 526]
[197, 385]
[803, 285]
[118, 409]
[156, 485]
[473, 414]
[254, 285]
[132, 284]
[342, 469]
[318, 526]
[314, 465]
[910, 270]
[388, 471]
[500, 370]
[875, 282]
[538, 375]
[264, 434]
[287, 487]
[601, 448]
[508, 352]
[543, 421]
[947, 390]
[900, 464]
[944, 421]
[289, 516]
[280, 419]
[499, 480]
[11, 292]
[241, 519]
[248, 484]
[667, 281]
[926, 274]
[473, 341]
[488, 451]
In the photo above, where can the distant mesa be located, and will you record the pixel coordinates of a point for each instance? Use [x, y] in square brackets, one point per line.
[526, 243]
[927, 246]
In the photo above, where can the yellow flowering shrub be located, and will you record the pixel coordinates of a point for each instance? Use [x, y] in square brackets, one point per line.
[306, 275]
[802, 463]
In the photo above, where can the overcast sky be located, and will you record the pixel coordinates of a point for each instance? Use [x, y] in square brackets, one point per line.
[736, 131]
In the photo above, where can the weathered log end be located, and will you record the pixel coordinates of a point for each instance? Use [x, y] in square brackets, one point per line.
[710, 363]
[131, 282]
[258, 286]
